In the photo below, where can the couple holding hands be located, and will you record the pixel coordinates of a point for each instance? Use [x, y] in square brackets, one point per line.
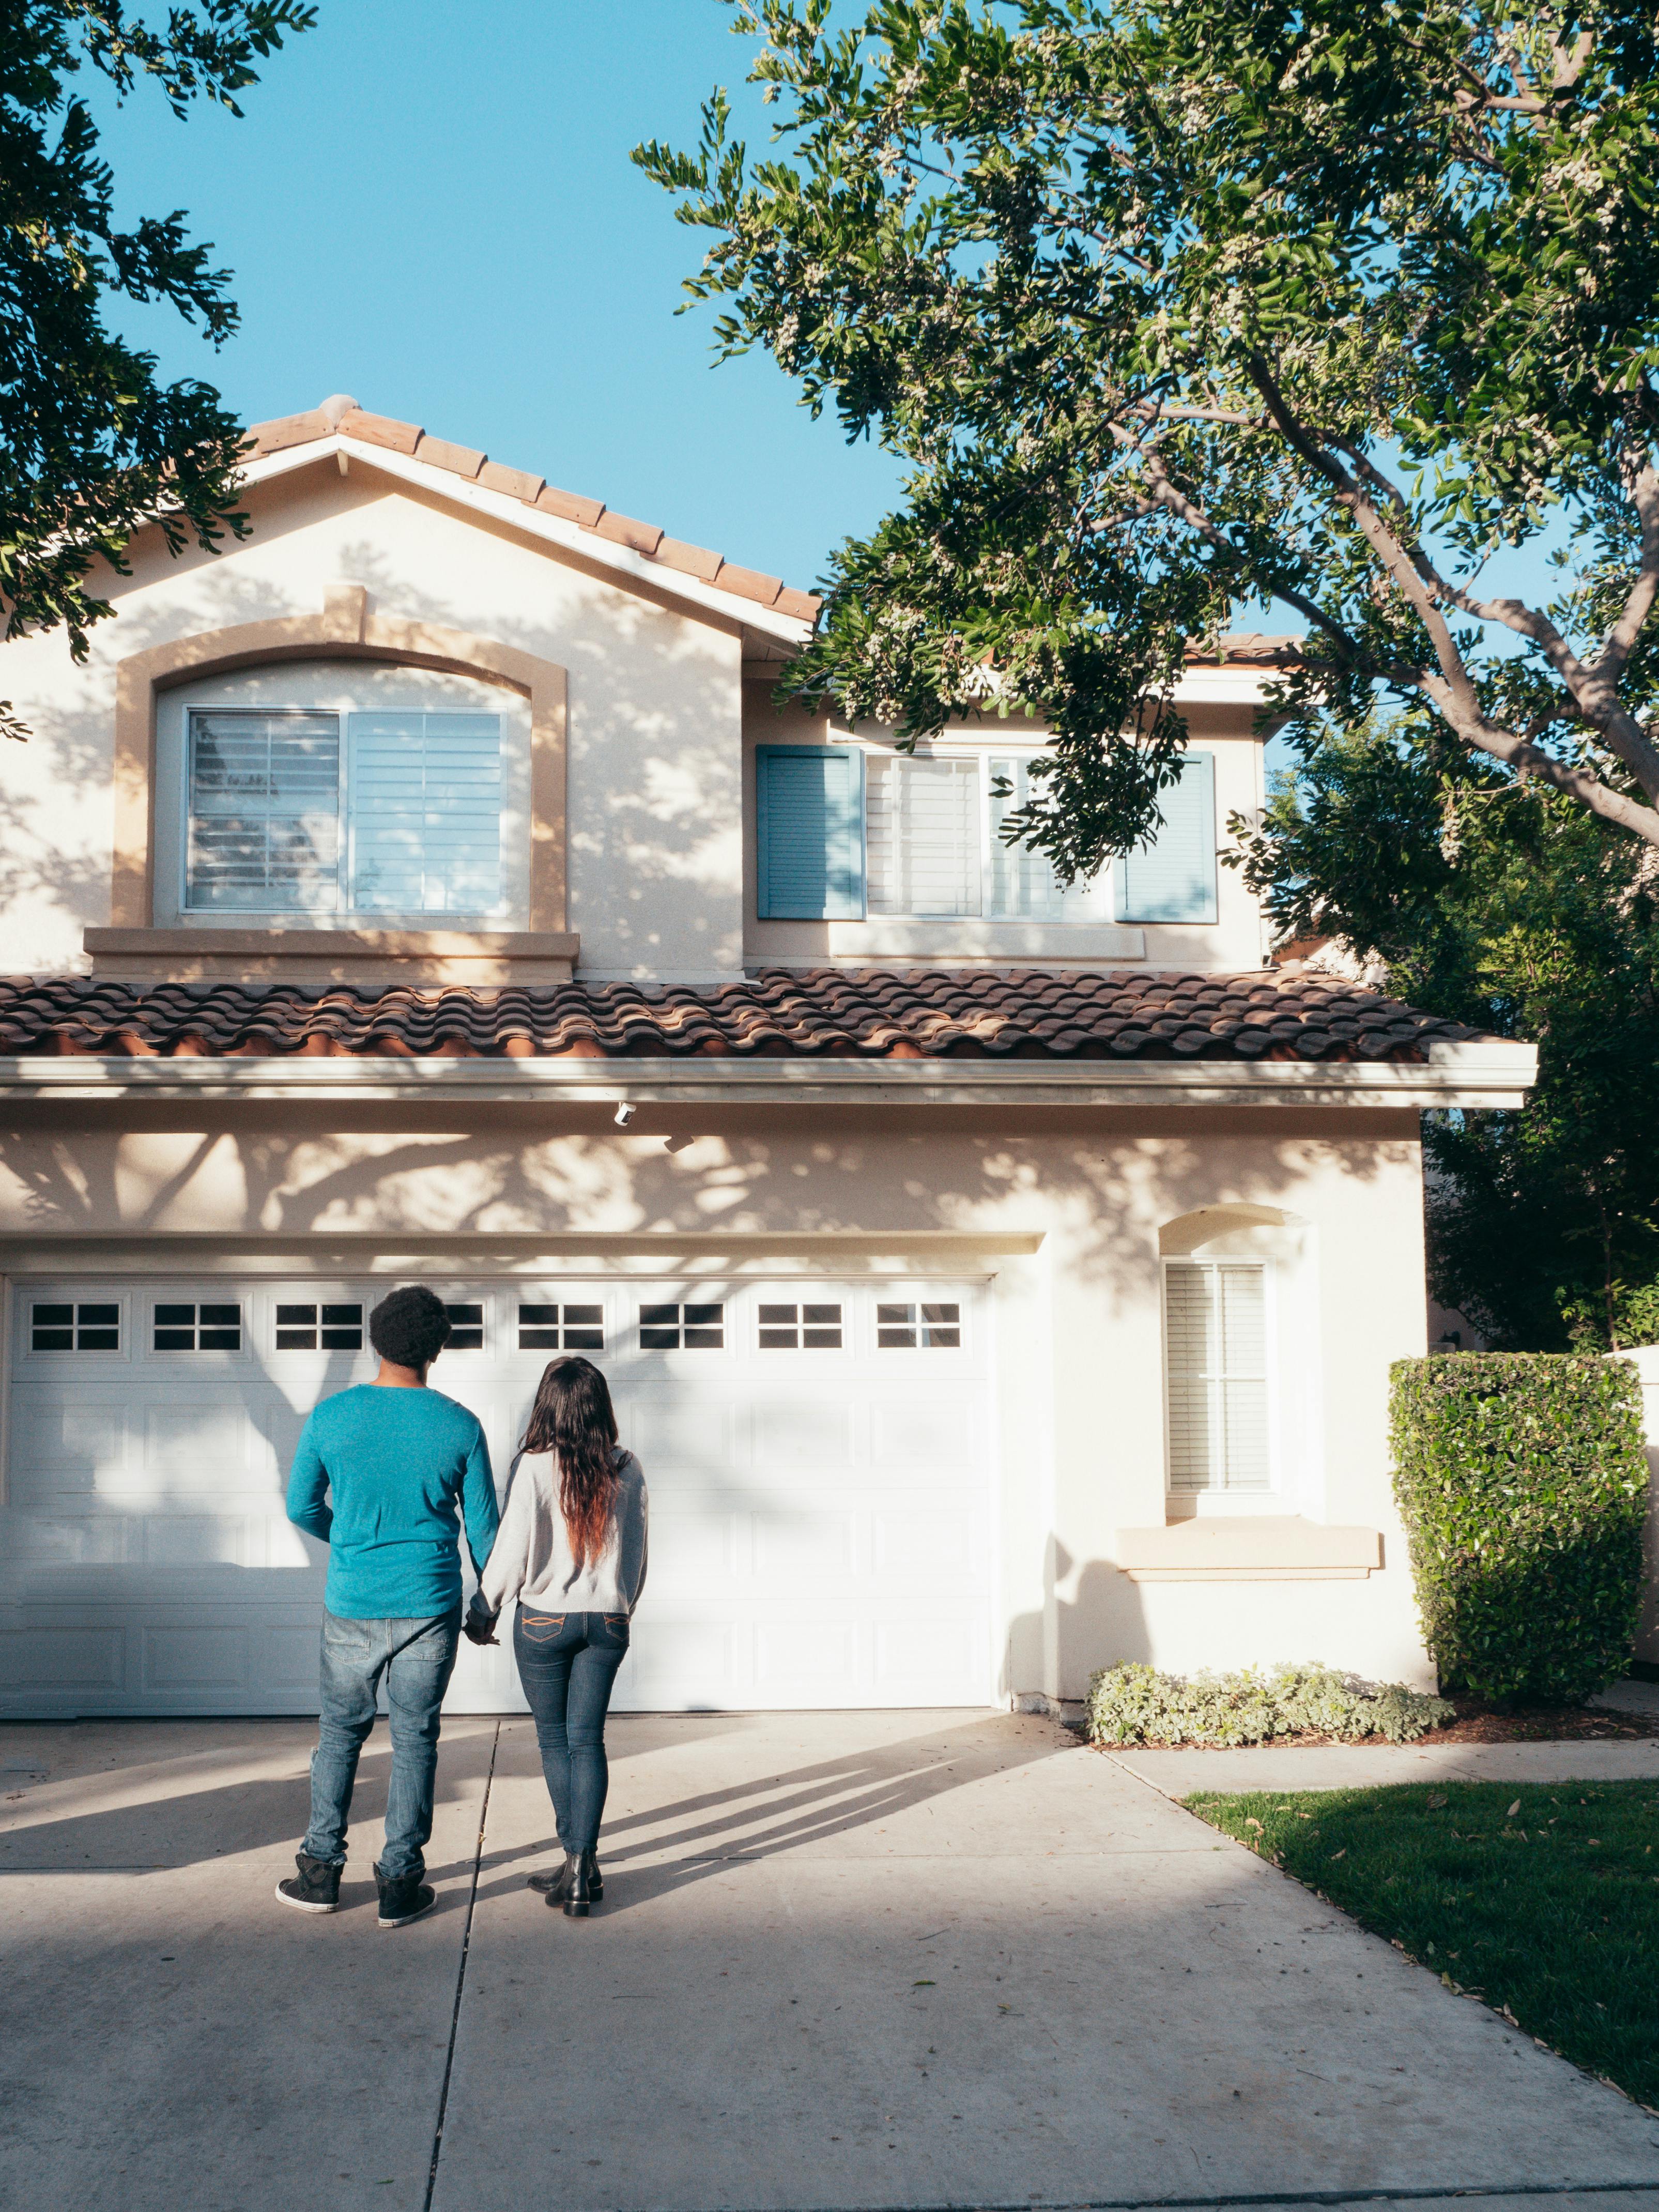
[386, 1475]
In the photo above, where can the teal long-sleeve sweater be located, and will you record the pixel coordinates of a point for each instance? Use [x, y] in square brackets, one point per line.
[398, 1464]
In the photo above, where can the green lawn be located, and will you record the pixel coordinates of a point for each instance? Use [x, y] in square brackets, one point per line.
[1544, 1901]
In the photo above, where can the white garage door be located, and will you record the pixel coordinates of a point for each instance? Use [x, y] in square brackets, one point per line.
[819, 1457]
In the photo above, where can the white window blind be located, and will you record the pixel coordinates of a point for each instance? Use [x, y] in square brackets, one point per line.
[1024, 886]
[426, 813]
[922, 829]
[264, 813]
[1216, 1339]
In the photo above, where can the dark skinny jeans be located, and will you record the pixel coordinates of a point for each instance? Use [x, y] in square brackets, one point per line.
[568, 1663]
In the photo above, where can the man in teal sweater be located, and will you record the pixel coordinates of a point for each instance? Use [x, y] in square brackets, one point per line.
[399, 1459]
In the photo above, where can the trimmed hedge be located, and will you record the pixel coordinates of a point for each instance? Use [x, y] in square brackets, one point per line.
[1524, 1487]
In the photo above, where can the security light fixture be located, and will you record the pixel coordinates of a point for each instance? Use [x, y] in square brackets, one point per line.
[624, 1114]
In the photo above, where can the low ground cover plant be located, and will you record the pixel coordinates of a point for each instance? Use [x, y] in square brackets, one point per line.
[1137, 1705]
[1544, 1902]
[1523, 1483]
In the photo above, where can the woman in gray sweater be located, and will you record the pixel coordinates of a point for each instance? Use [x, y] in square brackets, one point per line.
[572, 1551]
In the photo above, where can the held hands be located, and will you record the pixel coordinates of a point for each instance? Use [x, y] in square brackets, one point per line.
[480, 1628]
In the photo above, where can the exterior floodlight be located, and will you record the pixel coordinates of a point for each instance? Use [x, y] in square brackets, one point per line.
[624, 1114]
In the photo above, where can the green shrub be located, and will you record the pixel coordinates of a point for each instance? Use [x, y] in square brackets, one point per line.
[1523, 1483]
[1137, 1705]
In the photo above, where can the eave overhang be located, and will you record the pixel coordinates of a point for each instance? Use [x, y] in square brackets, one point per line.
[1474, 1077]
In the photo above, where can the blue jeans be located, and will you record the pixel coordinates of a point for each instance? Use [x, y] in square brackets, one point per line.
[418, 1658]
[568, 1663]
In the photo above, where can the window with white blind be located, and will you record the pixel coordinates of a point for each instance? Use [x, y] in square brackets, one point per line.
[298, 811]
[1215, 1352]
[934, 849]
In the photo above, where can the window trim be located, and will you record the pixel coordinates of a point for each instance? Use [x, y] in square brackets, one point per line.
[343, 630]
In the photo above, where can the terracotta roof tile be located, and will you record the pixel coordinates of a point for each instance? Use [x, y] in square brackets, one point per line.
[863, 1013]
[460, 460]
[647, 538]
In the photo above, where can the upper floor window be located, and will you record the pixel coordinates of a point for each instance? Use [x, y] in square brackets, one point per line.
[842, 835]
[292, 810]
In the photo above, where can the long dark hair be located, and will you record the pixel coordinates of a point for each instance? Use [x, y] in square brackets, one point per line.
[573, 1417]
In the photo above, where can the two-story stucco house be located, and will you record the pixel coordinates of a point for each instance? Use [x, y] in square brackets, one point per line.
[995, 1282]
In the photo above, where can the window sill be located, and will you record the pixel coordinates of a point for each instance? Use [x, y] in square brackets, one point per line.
[1270, 1548]
[207, 953]
[965, 937]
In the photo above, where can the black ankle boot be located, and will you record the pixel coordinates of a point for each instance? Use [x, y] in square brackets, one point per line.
[553, 1884]
[595, 1879]
[573, 1889]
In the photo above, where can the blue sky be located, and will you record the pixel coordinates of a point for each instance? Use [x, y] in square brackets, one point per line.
[432, 207]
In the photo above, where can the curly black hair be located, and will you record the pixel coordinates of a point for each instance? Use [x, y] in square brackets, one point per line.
[409, 1328]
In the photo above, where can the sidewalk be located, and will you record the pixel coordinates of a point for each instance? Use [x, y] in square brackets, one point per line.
[1369, 1766]
[844, 1960]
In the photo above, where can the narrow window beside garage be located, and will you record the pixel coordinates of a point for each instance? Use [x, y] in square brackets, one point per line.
[800, 1328]
[682, 1328]
[1216, 1345]
[180, 1328]
[561, 1328]
[75, 1328]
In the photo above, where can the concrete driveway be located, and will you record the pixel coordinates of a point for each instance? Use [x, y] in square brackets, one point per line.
[845, 1961]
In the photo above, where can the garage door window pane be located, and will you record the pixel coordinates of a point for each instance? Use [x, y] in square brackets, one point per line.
[918, 1327]
[800, 1328]
[75, 1328]
[208, 1328]
[465, 1329]
[327, 1328]
[682, 1328]
[561, 1328]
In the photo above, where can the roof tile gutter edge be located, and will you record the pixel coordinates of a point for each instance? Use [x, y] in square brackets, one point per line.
[1486, 1074]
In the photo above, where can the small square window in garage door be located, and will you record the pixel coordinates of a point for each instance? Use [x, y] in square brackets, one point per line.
[800, 1328]
[682, 1328]
[917, 1328]
[208, 1328]
[319, 1328]
[465, 1329]
[76, 1328]
[561, 1328]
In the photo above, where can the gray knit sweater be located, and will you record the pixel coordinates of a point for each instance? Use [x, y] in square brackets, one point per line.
[532, 1560]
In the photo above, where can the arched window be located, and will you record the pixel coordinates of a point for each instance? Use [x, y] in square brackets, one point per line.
[328, 793]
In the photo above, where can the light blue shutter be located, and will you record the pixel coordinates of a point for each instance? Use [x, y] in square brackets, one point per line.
[1172, 877]
[809, 816]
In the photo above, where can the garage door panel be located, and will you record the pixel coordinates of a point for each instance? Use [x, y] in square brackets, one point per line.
[930, 1430]
[805, 1501]
[807, 1433]
[684, 1432]
[182, 1659]
[62, 1659]
[805, 1546]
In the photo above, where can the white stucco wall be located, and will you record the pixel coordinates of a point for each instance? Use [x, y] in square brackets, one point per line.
[1061, 1209]
[655, 845]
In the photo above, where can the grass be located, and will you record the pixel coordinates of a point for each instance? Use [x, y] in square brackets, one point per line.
[1544, 1901]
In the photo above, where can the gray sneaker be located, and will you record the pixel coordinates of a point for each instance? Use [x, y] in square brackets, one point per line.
[315, 1889]
[404, 1899]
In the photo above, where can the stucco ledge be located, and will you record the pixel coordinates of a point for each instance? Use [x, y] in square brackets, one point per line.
[1270, 1548]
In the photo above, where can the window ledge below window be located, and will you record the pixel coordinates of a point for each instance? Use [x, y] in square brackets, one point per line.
[207, 952]
[1276, 1547]
[953, 936]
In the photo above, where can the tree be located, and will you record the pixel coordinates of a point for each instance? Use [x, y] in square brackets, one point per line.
[1167, 309]
[1502, 903]
[91, 446]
